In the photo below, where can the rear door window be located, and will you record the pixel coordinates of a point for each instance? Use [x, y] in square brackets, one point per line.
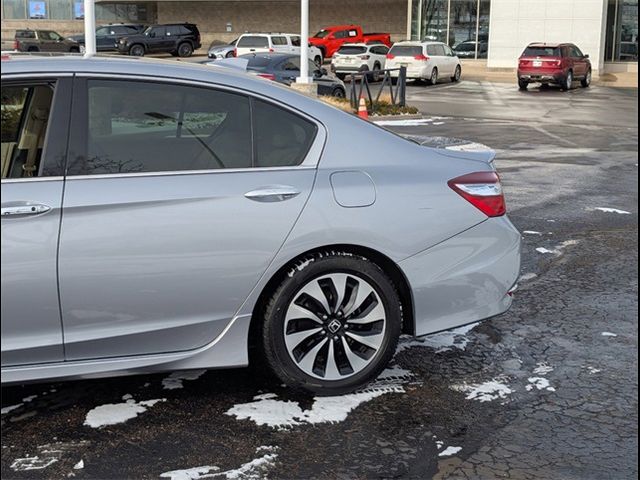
[435, 50]
[253, 41]
[352, 50]
[279, 41]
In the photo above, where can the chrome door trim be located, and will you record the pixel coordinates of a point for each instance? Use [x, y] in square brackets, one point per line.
[57, 178]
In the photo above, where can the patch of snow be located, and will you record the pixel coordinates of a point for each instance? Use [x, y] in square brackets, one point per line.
[114, 413]
[539, 383]
[32, 463]
[256, 469]
[441, 342]
[437, 123]
[301, 266]
[48, 454]
[79, 465]
[9, 408]
[175, 380]
[470, 147]
[447, 452]
[543, 368]
[531, 232]
[30, 398]
[612, 210]
[593, 370]
[404, 123]
[559, 248]
[609, 334]
[266, 409]
[486, 391]
[527, 276]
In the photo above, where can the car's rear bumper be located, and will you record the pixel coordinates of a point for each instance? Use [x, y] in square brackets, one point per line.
[467, 278]
[350, 68]
[412, 71]
[555, 76]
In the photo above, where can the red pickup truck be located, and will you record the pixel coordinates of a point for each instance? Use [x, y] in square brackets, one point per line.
[330, 39]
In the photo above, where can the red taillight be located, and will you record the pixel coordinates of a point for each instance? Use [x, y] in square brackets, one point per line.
[390, 56]
[268, 76]
[421, 57]
[483, 190]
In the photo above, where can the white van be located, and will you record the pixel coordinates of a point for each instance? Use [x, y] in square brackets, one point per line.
[275, 43]
[425, 61]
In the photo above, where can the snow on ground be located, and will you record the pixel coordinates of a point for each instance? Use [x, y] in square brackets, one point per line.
[539, 383]
[592, 370]
[531, 232]
[609, 334]
[449, 451]
[612, 210]
[441, 342]
[9, 408]
[114, 413]
[557, 250]
[409, 122]
[47, 455]
[256, 469]
[527, 276]
[79, 465]
[486, 391]
[267, 409]
[470, 147]
[542, 368]
[175, 380]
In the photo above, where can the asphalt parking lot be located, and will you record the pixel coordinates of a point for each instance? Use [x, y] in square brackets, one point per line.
[547, 390]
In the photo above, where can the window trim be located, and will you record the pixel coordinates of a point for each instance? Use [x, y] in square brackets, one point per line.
[54, 144]
[77, 129]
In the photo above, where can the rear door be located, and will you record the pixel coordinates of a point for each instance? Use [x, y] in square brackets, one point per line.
[578, 60]
[35, 115]
[252, 44]
[158, 40]
[177, 198]
[280, 44]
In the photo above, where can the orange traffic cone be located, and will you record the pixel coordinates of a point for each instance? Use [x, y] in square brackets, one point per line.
[362, 109]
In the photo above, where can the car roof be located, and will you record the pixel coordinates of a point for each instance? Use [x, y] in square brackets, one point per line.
[549, 45]
[271, 56]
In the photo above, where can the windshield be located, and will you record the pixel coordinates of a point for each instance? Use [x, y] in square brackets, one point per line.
[406, 50]
[147, 31]
[321, 34]
[352, 50]
[542, 52]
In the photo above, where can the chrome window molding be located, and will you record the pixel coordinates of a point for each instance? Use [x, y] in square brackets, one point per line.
[33, 179]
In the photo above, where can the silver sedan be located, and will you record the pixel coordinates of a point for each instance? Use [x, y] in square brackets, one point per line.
[165, 216]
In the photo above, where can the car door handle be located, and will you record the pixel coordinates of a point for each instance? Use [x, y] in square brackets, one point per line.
[24, 209]
[272, 194]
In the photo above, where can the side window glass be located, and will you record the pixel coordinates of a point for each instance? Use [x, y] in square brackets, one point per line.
[25, 115]
[340, 34]
[295, 41]
[281, 138]
[150, 127]
[279, 40]
[290, 66]
[54, 36]
[431, 50]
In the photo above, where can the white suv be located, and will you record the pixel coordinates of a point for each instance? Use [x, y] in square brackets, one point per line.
[275, 43]
[359, 57]
[425, 61]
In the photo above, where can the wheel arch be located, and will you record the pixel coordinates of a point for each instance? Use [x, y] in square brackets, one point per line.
[390, 268]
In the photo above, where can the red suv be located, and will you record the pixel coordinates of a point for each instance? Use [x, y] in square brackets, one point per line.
[559, 63]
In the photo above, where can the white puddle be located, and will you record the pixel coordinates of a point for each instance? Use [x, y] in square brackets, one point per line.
[486, 391]
[539, 383]
[612, 210]
[441, 342]
[267, 410]
[114, 413]
[175, 380]
[256, 469]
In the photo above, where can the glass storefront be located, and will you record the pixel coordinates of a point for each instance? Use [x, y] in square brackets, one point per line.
[462, 24]
[622, 31]
[72, 9]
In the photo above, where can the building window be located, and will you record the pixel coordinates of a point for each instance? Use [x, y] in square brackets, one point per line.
[60, 9]
[622, 31]
[14, 9]
[461, 24]
[126, 12]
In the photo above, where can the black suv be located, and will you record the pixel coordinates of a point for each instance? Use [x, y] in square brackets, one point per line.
[107, 36]
[178, 39]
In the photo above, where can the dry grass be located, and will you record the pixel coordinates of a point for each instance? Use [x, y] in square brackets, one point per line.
[381, 107]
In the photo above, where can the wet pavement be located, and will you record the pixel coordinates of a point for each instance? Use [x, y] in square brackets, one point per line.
[547, 390]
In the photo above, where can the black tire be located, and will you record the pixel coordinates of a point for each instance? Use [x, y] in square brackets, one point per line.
[523, 85]
[74, 50]
[318, 61]
[33, 49]
[173, 53]
[278, 355]
[457, 74]
[586, 81]
[185, 49]
[339, 93]
[433, 79]
[230, 54]
[375, 77]
[136, 50]
[567, 81]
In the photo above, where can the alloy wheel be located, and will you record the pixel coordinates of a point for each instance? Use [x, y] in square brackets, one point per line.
[569, 80]
[335, 326]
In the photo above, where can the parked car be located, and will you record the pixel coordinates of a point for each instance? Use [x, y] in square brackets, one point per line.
[330, 39]
[359, 57]
[275, 43]
[285, 68]
[178, 39]
[107, 36]
[206, 210]
[428, 61]
[557, 63]
[467, 49]
[43, 41]
[224, 50]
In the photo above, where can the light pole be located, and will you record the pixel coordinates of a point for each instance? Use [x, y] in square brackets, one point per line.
[89, 27]
[304, 42]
